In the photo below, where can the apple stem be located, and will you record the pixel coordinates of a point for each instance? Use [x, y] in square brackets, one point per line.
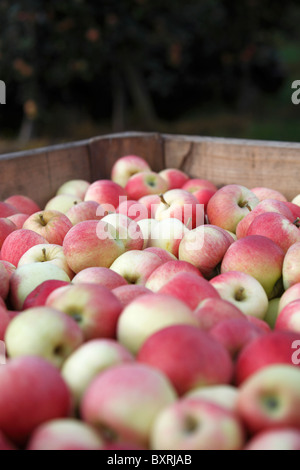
[245, 204]
[42, 220]
[163, 200]
[45, 254]
[297, 222]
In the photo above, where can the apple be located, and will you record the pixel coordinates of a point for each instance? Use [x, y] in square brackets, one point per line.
[62, 203]
[272, 313]
[164, 273]
[197, 424]
[91, 359]
[88, 245]
[276, 227]
[10, 268]
[181, 205]
[6, 228]
[243, 291]
[4, 322]
[23, 204]
[102, 276]
[6, 210]
[4, 282]
[295, 210]
[134, 210]
[174, 178]
[50, 224]
[222, 395]
[38, 297]
[268, 205]
[145, 184]
[43, 332]
[273, 348]
[194, 185]
[124, 401]
[271, 399]
[235, 333]
[275, 439]
[291, 270]
[28, 277]
[136, 266]
[5, 444]
[18, 219]
[259, 257]
[203, 196]
[65, 434]
[230, 205]
[47, 253]
[148, 314]
[107, 194]
[267, 193]
[190, 289]
[77, 188]
[262, 324]
[128, 166]
[213, 311]
[127, 294]
[17, 243]
[152, 203]
[293, 293]
[147, 226]
[163, 255]
[205, 248]
[32, 392]
[188, 356]
[122, 227]
[296, 200]
[289, 317]
[93, 307]
[168, 234]
[83, 211]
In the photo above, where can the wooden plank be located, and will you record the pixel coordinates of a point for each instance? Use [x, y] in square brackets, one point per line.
[106, 150]
[225, 161]
[39, 173]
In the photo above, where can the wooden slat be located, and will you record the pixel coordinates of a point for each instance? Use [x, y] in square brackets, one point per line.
[39, 173]
[106, 150]
[225, 161]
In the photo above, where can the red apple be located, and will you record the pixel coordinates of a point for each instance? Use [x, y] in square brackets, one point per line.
[164, 255]
[5, 444]
[39, 296]
[23, 204]
[7, 210]
[259, 257]
[136, 266]
[289, 317]
[181, 205]
[102, 276]
[6, 228]
[175, 178]
[134, 210]
[106, 193]
[230, 205]
[190, 289]
[32, 392]
[152, 203]
[276, 227]
[268, 205]
[166, 272]
[126, 167]
[275, 439]
[295, 210]
[127, 294]
[188, 356]
[19, 220]
[17, 243]
[145, 184]
[83, 211]
[52, 225]
[203, 196]
[213, 311]
[291, 266]
[234, 334]
[268, 193]
[194, 185]
[94, 307]
[273, 348]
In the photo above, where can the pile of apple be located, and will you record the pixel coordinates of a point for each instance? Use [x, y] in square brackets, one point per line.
[150, 311]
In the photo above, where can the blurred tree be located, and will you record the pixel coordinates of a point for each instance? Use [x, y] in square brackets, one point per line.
[157, 56]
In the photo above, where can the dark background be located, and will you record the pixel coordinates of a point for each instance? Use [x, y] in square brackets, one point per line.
[76, 69]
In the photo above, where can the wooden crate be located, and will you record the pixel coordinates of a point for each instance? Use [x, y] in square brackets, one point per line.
[39, 173]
